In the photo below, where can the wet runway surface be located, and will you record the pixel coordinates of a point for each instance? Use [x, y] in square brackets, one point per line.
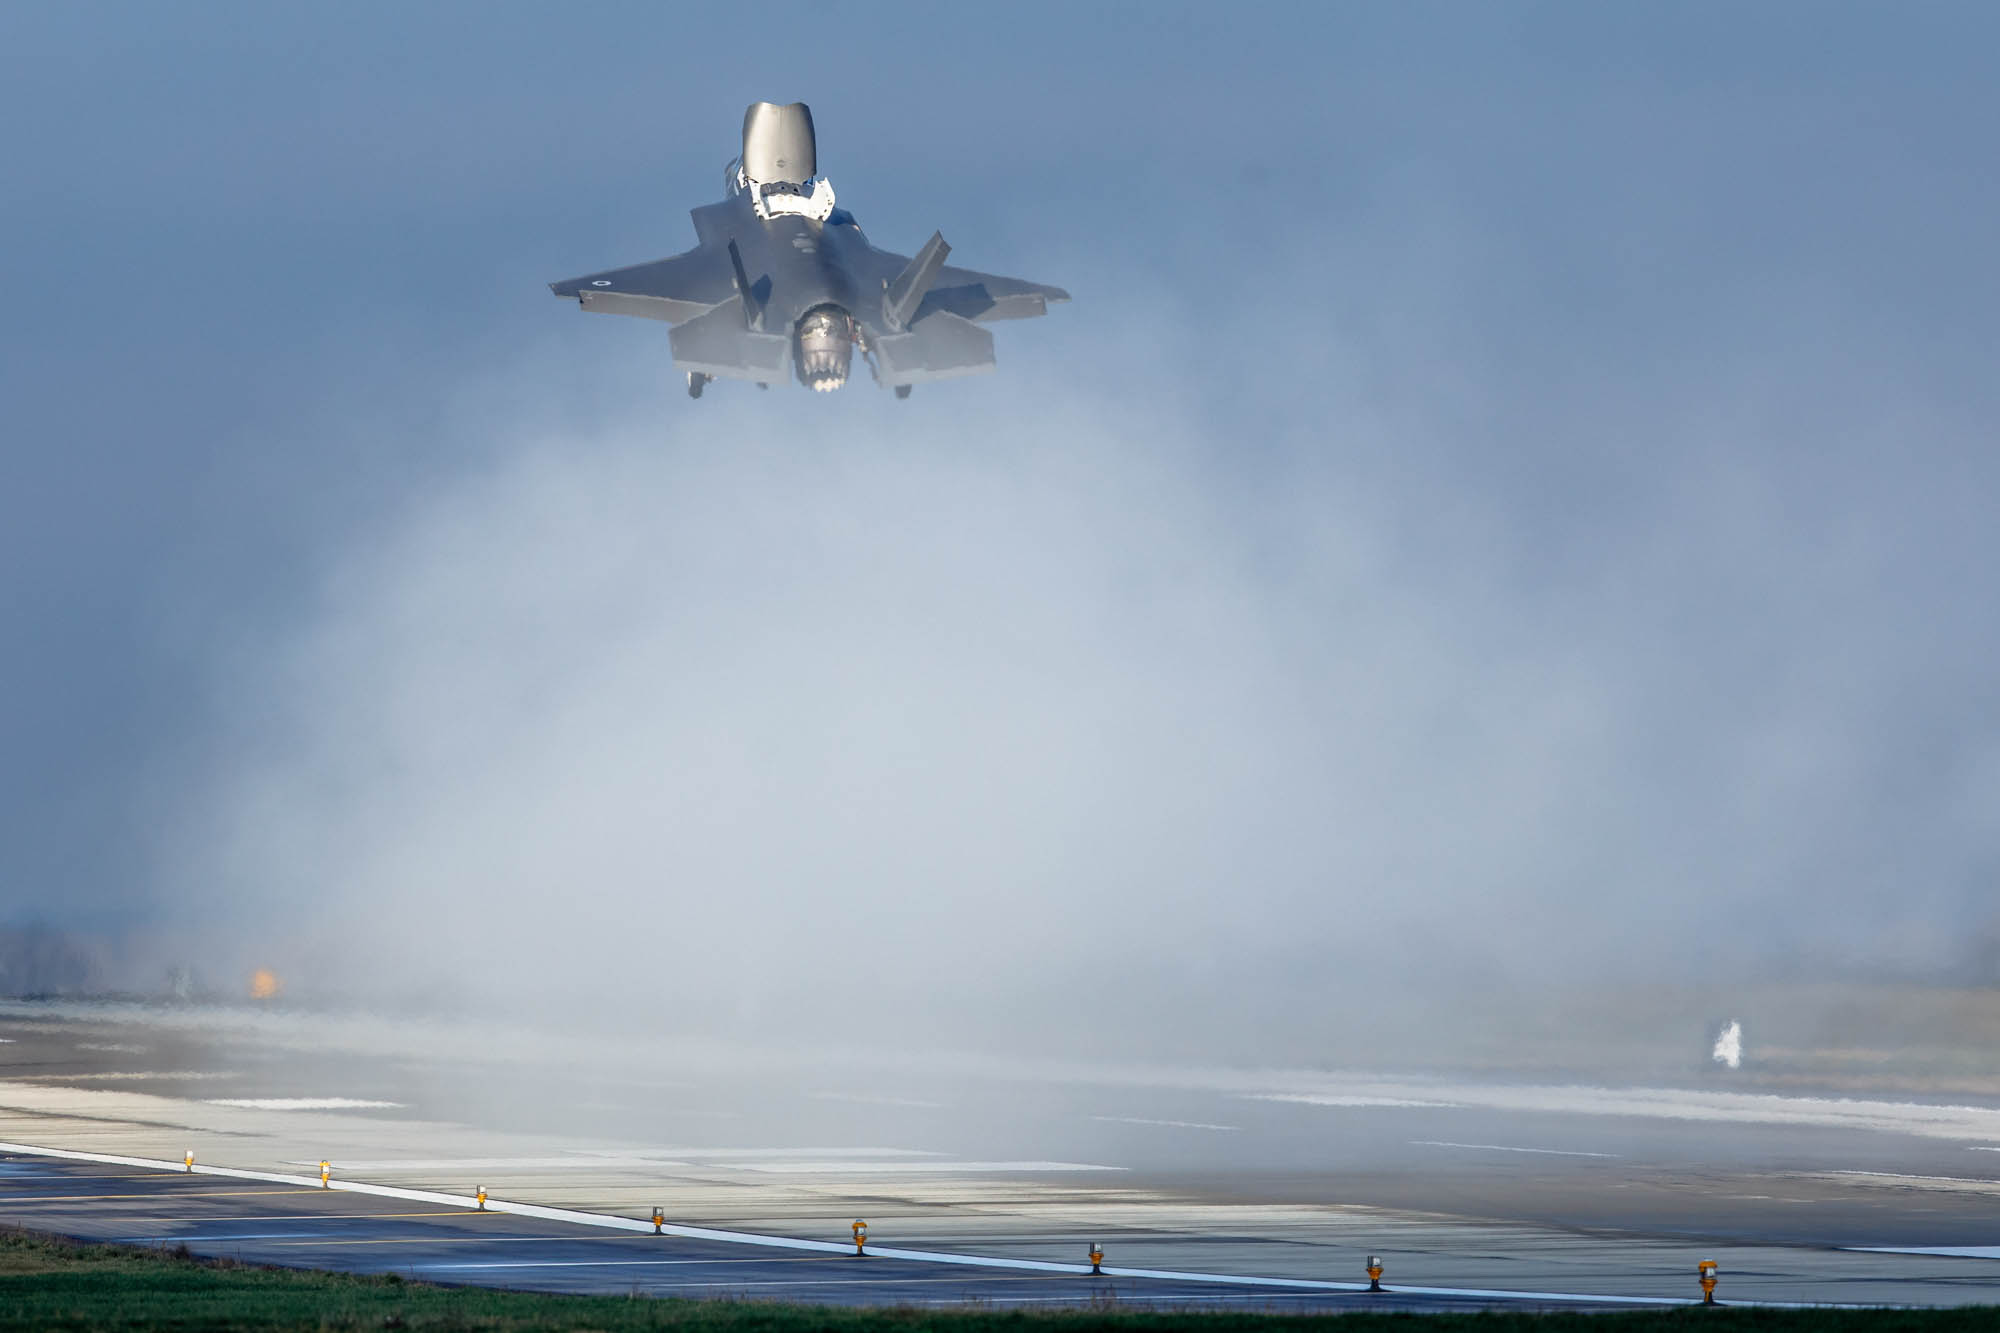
[1492, 1186]
[303, 1226]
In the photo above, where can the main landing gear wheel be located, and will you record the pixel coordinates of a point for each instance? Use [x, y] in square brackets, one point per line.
[697, 382]
[902, 391]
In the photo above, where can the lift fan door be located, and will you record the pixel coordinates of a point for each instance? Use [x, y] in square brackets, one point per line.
[778, 143]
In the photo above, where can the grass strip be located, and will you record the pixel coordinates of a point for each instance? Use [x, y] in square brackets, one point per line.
[52, 1283]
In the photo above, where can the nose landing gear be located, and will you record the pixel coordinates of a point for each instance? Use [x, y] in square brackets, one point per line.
[697, 382]
[902, 391]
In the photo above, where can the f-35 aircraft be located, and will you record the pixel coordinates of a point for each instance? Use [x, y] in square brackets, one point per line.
[783, 278]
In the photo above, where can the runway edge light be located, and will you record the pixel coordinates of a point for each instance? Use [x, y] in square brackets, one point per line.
[325, 1171]
[659, 1220]
[1096, 1258]
[1374, 1271]
[860, 1230]
[1707, 1269]
[189, 1159]
[480, 1194]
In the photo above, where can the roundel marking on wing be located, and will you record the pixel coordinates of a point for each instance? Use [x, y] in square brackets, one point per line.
[601, 282]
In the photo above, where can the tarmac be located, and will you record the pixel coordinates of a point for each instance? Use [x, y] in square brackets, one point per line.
[980, 1181]
[311, 1226]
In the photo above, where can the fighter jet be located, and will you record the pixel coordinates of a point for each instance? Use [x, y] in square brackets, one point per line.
[783, 280]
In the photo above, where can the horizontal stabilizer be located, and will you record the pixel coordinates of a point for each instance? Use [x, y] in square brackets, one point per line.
[718, 344]
[906, 293]
[987, 297]
[941, 346]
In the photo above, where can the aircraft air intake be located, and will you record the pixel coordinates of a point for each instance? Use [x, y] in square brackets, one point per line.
[824, 350]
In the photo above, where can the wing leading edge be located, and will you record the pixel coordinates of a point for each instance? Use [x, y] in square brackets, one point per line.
[675, 289]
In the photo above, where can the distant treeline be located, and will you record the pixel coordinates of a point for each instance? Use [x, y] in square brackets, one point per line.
[40, 960]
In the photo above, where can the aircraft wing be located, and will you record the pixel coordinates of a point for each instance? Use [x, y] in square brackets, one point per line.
[674, 289]
[986, 297]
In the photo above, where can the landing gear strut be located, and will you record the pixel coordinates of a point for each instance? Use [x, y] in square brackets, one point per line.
[902, 391]
[697, 382]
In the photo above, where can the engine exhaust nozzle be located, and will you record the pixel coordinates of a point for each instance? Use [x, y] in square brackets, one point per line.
[823, 348]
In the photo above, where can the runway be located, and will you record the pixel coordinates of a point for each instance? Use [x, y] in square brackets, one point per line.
[980, 1180]
[436, 1239]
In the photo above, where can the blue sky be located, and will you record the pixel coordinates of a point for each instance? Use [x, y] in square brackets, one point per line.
[1662, 335]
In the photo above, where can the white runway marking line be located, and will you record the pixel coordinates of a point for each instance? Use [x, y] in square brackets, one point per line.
[1501, 1147]
[1931, 1119]
[467, 1203]
[1167, 1124]
[1985, 1183]
[1937, 1251]
[303, 1103]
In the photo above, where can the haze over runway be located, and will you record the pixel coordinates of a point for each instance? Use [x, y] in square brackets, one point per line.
[1514, 484]
[1476, 1191]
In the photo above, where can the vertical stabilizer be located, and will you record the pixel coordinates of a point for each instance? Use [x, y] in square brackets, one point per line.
[906, 293]
[753, 309]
